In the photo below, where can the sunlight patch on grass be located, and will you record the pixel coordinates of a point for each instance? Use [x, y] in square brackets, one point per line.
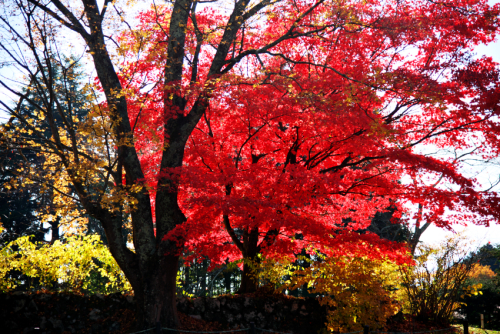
[473, 330]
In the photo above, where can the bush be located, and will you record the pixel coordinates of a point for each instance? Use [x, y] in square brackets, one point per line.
[435, 287]
[80, 264]
[359, 291]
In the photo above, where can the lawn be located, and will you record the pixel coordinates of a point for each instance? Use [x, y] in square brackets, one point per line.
[473, 330]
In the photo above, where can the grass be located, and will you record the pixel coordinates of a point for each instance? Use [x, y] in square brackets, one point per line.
[474, 330]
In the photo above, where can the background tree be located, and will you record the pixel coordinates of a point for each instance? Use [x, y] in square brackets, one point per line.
[17, 206]
[195, 278]
[27, 199]
[434, 289]
[385, 226]
[28, 202]
[355, 290]
[488, 301]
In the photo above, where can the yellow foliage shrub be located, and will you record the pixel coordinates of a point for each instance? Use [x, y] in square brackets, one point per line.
[357, 290]
[69, 265]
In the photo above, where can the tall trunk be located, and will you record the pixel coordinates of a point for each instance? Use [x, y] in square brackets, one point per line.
[414, 239]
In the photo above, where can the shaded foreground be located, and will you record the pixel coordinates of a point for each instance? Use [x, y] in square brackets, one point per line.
[70, 313]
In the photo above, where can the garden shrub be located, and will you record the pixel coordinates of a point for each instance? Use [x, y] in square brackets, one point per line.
[79, 264]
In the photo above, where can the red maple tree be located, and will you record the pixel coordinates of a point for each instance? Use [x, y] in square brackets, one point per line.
[315, 123]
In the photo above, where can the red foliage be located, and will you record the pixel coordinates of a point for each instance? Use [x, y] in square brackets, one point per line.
[327, 124]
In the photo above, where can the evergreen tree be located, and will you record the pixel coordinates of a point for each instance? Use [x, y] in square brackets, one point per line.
[488, 301]
[18, 206]
[22, 198]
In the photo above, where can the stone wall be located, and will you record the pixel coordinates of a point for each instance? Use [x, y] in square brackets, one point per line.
[68, 313]
[278, 313]
[64, 313]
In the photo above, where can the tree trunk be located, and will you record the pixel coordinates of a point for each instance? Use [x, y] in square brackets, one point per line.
[187, 280]
[227, 279]
[152, 276]
[414, 239]
[249, 281]
[156, 298]
[203, 283]
[54, 228]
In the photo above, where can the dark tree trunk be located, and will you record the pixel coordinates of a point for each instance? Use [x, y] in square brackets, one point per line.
[249, 281]
[227, 280]
[54, 228]
[156, 300]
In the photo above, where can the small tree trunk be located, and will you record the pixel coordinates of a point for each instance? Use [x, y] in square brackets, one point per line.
[227, 280]
[187, 280]
[54, 228]
[204, 278]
